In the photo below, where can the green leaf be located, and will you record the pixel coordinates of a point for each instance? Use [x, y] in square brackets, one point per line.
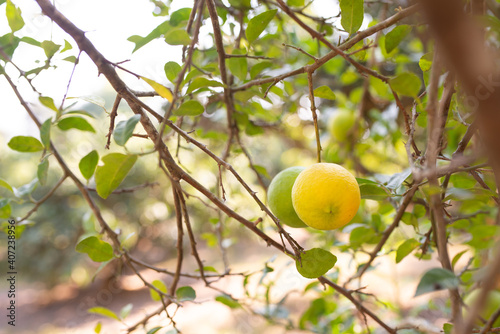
[436, 279]
[67, 46]
[179, 16]
[201, 83]
[238, 65]
[407, 83]
[448, 328]
[258, 23]
[259, 67]
[160, 286]
[172, 70]
[190, 108]
[160, 89]
[395, 36]
[324, 92]
[104, 312]
[352, 15]
[31, 41]
[397, 179]
[125, 129]
[27, 188]
[115, 169]
[177, 36]
[98, 327]
[125, 311]
[457, 257]
[25, 144]
[14, 17]
[75, 122]
[5, 185]
[295, 3]
[156, 33]
[405, 249]
[48, 102]
[50, 48]
[45, 132]
[5, 208]
[154, 330]
[88, 164]
[185, 293]
[97, 250]
[71, 59]
[43, 171]
[262, 170]
[228, 301]
[315, 263]
[425, 62]
[373, 191]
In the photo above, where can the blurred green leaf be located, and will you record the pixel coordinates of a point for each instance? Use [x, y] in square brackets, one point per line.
[238, 65]
[43, 171]
[190, 108]
[373, 191]
[258, 24]
[50, 48]
[436, 279]
[14, 17]
[406, 248]
[156, 33]
[124, 130]
[177, 36]
[395, 36]
[154, 330]
[104, 312]
[97, 250]
[163, 91]
[48, 102]
[185, 293]
[160, 286]
[407, 83]
[202, 83]
[180, 15]
[228, 301]
[45, 132]
[425, 62]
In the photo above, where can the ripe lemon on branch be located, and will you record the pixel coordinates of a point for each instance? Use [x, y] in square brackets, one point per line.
[326, 196]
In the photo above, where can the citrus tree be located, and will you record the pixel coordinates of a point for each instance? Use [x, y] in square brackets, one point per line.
[178, 156]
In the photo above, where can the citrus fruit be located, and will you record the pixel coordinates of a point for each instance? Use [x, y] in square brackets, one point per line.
[279, 197]
[341, 123]
[326, 196]
[492, 304]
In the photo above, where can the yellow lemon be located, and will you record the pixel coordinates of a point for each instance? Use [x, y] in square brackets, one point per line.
[326, 196]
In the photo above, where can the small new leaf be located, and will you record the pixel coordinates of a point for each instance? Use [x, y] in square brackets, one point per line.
[160, 286]
[395, 36]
